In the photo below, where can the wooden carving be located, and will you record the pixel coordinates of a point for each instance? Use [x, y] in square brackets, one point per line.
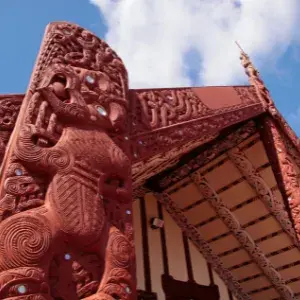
[285, 159]
[65, 209]
[242, 236]
[9, 110]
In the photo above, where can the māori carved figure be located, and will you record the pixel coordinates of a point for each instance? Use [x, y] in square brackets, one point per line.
[65, 209]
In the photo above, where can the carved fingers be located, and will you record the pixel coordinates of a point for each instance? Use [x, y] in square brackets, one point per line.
[30, 151]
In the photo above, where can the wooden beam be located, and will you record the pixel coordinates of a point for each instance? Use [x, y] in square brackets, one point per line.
[203, 247]
[242, 236]
[274, 205]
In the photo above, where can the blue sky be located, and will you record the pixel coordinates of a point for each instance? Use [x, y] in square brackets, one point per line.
[22, 25]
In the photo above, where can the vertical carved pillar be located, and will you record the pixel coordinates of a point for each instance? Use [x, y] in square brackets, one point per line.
[284, 159]
[66, 192]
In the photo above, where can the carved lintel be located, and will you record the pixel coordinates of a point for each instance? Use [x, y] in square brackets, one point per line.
[274, 205]
[203, 246]
[242, 236]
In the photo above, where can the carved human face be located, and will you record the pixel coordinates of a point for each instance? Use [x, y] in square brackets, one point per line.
[85, 98]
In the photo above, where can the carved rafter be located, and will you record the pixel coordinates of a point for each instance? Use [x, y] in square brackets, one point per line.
[202, 246]
[274, 205]
[242, 236]
[284, 158]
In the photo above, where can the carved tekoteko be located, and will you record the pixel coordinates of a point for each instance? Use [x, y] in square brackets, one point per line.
[65, 209]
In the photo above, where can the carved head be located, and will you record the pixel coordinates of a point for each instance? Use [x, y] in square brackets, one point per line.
[88, 86]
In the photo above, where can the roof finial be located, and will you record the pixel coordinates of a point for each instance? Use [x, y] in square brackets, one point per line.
[254, 77]
[247, 64]
[239, 46]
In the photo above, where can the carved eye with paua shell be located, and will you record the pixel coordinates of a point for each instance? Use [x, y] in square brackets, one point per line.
[99, 82]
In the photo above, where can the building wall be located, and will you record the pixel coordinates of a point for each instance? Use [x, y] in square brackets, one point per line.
[149, 240]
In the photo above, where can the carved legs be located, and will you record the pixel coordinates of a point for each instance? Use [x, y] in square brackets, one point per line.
[117, 280]
[27, 240]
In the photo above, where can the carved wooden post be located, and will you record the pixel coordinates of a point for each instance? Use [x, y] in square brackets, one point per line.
[65, 209]
[284, 159]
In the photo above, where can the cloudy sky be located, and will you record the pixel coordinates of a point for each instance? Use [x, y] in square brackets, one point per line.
[167, 43]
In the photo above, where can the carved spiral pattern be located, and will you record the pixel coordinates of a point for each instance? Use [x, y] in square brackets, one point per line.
[25, 149]
[120, 250]
[18, 185]
[12, 186]
[24, 241]
[58, 159]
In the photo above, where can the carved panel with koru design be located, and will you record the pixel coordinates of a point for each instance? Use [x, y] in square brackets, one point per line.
[65, 208]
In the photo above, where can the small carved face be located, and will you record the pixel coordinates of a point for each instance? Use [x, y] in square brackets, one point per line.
[85, 97]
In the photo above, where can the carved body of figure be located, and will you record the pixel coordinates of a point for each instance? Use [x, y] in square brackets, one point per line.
[66, 229]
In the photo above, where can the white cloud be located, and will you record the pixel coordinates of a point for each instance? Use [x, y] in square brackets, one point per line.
[153, 37]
